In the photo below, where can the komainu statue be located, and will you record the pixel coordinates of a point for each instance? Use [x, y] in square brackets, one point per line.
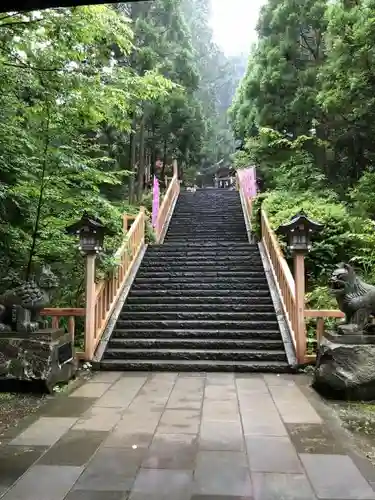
[20, 307]
[355, 298]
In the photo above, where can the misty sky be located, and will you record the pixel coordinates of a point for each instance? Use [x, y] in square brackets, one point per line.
[233, 22]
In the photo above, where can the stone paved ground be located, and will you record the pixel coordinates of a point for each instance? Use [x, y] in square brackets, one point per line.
[166, 436]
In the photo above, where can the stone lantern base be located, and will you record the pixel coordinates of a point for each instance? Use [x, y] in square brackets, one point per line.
[45, 357]
[345, 367]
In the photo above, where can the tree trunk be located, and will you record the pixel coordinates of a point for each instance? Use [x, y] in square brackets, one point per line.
[141, 163]
[132, 149]
[165, 158]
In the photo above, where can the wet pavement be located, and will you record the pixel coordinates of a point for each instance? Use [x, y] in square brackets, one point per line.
[187, 436]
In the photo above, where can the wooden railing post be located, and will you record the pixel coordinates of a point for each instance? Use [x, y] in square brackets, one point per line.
[125, 223]
[90, 305]
[175, 168]
[299, 279]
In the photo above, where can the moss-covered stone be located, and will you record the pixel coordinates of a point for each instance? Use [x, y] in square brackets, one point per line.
[47, 356]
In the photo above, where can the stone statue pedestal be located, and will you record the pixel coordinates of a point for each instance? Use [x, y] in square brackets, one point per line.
[345, 367]
[45, 357]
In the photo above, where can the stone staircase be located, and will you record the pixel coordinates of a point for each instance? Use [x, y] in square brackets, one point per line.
[201, 300]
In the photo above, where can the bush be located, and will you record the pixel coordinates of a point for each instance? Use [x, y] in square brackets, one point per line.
[344, 237]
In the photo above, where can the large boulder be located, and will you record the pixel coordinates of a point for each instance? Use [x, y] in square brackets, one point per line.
[345, 367]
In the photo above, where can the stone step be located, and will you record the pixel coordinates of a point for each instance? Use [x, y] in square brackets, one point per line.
[201, 247]
[244, 308]
[190, 253]
[201, 284]
[196, 365]
[222, 293]
[195, 343]
[199, 301]
[196, 354]
[234, 316]
[167, 274]
[157, 267]
[207, 334]
[199, 279]
[192, 324]
[190, 258]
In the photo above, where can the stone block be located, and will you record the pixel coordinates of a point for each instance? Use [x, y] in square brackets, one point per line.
[345, 367]
[45, 357]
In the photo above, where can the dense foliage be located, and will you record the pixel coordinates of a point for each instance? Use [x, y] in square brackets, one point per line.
[91, 99]
[303, 113]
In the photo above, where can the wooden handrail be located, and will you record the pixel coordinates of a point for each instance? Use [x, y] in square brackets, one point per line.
[56, 313]
[320, 316]
[107, 292]
[291, 291]
[283, 276]
[166, 206]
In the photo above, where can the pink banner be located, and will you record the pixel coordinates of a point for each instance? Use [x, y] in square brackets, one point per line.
[155, 201]
[247, 179]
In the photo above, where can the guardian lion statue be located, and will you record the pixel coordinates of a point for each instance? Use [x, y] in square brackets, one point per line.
[20, 306]
[355, 298]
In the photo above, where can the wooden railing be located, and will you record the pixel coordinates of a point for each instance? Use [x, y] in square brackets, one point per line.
[291, 289]
[167, 205]
[320, 316]
[282, 274]
[55, 316]
[101, 298]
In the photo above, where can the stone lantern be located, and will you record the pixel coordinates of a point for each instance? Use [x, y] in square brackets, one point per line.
[298, 232]
[91, 232]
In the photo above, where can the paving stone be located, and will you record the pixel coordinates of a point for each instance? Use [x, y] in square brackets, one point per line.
[222, 473]
[96, 495]
[278, 380]
[172, 451]
[272, 454]
[185, 375]
[111, 469]
[67, 407]
[364, 466]
[182, 495]
[138, 422]
[336, 477]
[121, 394]
[257, 401]
[14, 462]
[106, 377]
[220, 497]
[257, 422]
[221, 410]
[314, 438]
[163, 377]
[188, 382]
[128, 439]
[251, 385]
[163, 484]
[44, 432]
[219, 379]
[90, 390]
[293, 406]
[98, 419]
[44, 482]
[185, 401]
[221, 436]
[179, 422]
[74, 448]
[220, 392]
[281, 487]
[144, 404]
